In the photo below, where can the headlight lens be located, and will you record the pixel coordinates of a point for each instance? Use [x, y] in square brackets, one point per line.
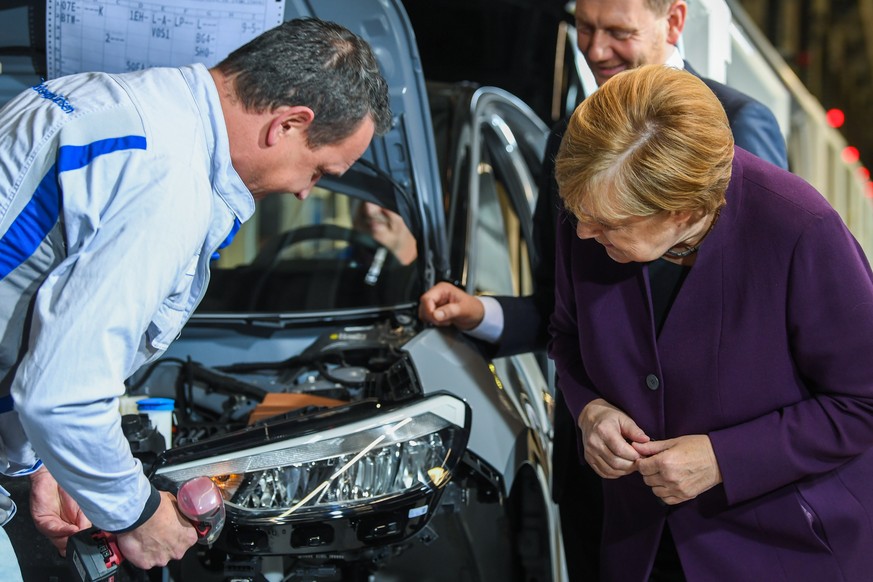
[403, 451]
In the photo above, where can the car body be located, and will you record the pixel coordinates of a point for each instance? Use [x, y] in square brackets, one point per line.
[305, 377]
[305, 363]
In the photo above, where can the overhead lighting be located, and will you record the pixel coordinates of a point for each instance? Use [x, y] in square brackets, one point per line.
[835, 117]
[851, 154]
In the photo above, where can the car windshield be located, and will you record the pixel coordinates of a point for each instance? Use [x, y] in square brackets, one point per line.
[330, 251]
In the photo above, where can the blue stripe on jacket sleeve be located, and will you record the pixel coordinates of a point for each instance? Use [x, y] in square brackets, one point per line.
[42, 211]
[75, 157]
[31, 226]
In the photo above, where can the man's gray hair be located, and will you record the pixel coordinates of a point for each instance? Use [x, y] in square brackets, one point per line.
[317, 64]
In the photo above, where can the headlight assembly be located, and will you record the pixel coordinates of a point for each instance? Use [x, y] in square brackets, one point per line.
[346, 462]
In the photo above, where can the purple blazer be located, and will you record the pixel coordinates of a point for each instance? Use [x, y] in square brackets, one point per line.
[768, 349]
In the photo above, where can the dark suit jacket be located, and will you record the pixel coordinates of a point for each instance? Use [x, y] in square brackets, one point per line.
[753, 125]
[767, 349]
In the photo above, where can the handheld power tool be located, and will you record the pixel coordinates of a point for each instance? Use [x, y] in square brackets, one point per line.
[94, 555]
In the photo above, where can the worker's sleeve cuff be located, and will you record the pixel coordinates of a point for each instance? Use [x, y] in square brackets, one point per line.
[151, 506]
[26, 471]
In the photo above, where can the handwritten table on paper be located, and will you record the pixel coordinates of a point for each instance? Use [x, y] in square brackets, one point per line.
[118, 36]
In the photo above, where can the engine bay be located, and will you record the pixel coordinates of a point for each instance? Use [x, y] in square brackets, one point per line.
[346, 365]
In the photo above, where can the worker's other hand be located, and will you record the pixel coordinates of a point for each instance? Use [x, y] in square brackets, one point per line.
[607, 434]
[56, 515]
[444, 304]
[166, 536]
[679, 469]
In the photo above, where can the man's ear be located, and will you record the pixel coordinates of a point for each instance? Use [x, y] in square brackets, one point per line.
[288, 120]
[676, 20]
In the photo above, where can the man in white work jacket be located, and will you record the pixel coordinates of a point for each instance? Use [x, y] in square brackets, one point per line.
[115, 190]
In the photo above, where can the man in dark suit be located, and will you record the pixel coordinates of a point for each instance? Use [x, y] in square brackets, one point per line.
[613, 35]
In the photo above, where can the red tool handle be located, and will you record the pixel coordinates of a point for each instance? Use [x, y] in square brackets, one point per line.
[94, 556]
[200, 501]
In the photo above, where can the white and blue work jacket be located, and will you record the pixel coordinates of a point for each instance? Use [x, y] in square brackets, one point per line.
[114, 192]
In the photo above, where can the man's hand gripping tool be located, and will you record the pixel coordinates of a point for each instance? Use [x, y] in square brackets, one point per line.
[94, 556]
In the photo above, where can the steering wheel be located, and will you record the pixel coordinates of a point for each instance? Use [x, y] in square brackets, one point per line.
[270, 255]
[272, 250]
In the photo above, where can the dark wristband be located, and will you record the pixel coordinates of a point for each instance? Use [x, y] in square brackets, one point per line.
[151, 506]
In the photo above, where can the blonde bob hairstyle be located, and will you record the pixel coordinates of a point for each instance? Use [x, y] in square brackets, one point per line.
[649, 140]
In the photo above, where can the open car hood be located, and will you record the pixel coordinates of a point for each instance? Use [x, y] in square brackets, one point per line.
[333, 252]
[399, 169]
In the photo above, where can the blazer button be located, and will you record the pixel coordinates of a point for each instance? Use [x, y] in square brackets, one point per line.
[652, 382]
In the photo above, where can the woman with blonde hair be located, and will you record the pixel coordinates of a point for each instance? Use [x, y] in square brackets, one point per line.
[712, 336]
